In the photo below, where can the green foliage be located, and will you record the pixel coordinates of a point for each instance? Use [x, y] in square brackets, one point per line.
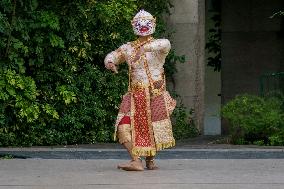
[277, 14]
[183, 124]
[213, 45]
[254, 119]
[54, 87]
[6, 156]
[277, 139]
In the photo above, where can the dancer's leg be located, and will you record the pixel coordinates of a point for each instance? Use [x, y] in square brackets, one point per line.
[150, 164]
[124, 136]
[135, 164]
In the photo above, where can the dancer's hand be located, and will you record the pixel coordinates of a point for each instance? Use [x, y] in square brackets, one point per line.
[111, 66]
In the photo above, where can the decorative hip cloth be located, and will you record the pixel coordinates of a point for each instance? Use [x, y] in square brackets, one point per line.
[148, 127]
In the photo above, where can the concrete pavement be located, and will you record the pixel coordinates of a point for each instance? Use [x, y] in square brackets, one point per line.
[173, 173]
[196, 164]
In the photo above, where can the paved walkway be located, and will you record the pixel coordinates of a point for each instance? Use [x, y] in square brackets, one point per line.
[188, 166]
[173, 174]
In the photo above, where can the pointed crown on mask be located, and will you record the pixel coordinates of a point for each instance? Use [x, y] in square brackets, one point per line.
[142, 14]
[143, 17]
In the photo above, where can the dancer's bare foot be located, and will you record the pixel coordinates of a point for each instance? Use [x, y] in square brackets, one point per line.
[134, 165]
[150, 165]
[121, 165]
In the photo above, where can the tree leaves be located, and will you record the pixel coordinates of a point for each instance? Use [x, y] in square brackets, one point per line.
[54, 88]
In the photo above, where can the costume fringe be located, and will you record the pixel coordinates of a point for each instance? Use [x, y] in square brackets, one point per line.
[136, 151]
[114, 136]
[150, 151]
[162, 146]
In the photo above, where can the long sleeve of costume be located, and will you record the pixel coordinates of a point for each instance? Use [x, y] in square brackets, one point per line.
[116, 57]
[162, 45]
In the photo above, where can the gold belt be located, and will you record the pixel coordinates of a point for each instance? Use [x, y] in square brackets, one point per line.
[139, 85]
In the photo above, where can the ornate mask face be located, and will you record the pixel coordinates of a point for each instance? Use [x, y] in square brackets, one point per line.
[143, 23]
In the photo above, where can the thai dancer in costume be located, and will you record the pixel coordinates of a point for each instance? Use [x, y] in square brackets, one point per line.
[143, 123]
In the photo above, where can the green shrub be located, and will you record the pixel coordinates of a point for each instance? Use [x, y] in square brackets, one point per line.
[254, 119]
[277, 139]
[183, 124]
[54, 88]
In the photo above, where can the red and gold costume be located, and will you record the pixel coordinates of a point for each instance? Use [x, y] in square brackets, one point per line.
[144, 114]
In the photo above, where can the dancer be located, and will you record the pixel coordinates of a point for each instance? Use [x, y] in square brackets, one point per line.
[143, 124]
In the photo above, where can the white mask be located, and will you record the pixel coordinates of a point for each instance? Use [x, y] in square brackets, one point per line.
[143, 23]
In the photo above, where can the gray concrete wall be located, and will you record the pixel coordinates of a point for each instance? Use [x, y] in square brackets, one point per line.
[251, 44]
[212, 120]
[188, 20]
